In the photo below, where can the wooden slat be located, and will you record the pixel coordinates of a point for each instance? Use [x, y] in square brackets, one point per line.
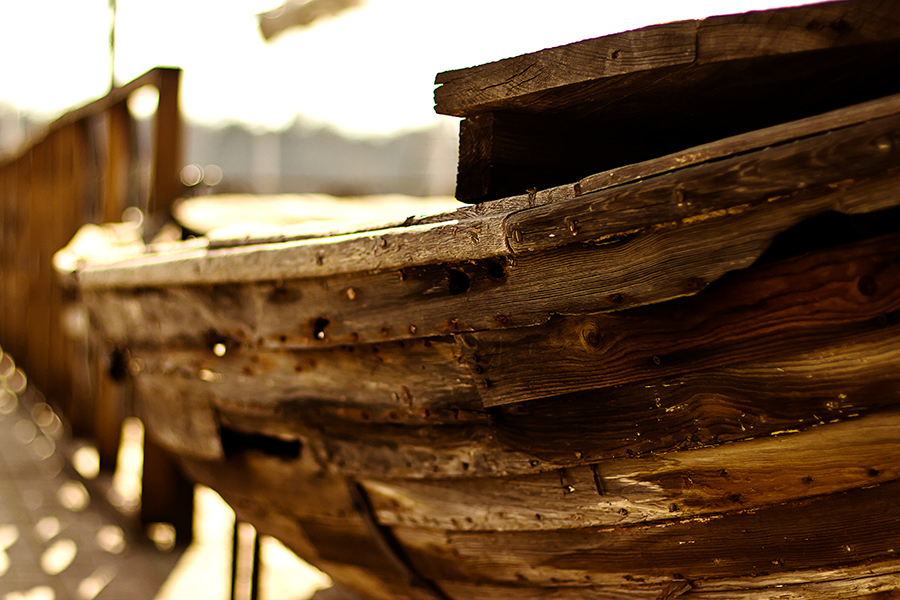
[844, 292]
[826, 532]
[521, 81]
[743, 143]
[791, 173]
[703, 408]
[167, 158]
[859, 582]
[768, 67]
[558, 78]
[500, 294]
[405, 376]
[7, 233]
[731, 477]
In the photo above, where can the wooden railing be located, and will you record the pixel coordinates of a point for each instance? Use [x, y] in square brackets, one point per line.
[88, 166]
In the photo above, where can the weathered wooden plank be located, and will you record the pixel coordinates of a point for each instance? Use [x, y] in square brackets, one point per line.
[407, 377]
[707, 407]
[822, 533]
[556, 78]
[167, 158]
[774, 309]
[184, 424]
[801, 29]
[385, 249]
[869, 582]
[805, 170]
[440, 299]
[521, 80]
[742, 143]
[730, 477]
[699, 409]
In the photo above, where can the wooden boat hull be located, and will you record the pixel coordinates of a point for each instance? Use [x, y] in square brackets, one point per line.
[676, 378]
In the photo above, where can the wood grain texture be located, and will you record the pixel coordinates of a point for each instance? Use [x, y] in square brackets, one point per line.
[731, 477]
[863, 582]
[384, 249]
[783, 308]
[556, 78]
[705, 408]
[401, 376]
[821, 533]
[469, 91]
[801, 29]
[453, 298]
[742, 143]
[805, 170]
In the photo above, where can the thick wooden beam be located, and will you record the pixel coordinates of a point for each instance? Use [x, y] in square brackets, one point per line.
[778, 540]
[769, 67]
[846, 291]
[576, 74]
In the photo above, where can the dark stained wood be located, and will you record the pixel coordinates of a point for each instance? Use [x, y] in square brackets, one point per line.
[312, 513]
[705, 408]
[829, 531]
[38, 270]
[733, 477]
[516, 81]
[861, 582]
[742, 143]
[806, 170]
[525, 82]
[167, 157]
[506, 154]
[770, 67]
[761, 313]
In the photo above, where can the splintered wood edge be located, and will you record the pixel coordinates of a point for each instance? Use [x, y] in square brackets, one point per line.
[469, 233]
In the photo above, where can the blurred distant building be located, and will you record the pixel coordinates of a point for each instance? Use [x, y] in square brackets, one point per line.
[303, 159]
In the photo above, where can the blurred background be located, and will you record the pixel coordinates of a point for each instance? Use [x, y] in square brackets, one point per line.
[341, 105]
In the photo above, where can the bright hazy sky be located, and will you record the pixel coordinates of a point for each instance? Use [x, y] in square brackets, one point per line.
[369, 71]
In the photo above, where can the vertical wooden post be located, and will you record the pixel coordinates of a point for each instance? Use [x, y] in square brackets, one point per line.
[7, 197]
[109, 396]
[21, 247]
[167, 495]
[168, 145]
